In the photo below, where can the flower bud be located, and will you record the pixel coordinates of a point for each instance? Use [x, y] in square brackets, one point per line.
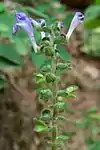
[61, 66]
[45, 69]
[46, 94]
[49, 51]
[50, 77]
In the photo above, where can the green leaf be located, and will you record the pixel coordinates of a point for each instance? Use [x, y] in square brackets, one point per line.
[92, 17]
[38, 59]
[40, 126]
[62, 93]
[2, 7]
[35, 12]
[64, 54]
[62, 137]
[43, 7]
[97, 1]
[20, 46]
[92, 110]
[6, 64]
[8, 52]
[94, 116]
[83, 123]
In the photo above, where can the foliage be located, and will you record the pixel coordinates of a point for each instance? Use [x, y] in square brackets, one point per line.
[92, 32]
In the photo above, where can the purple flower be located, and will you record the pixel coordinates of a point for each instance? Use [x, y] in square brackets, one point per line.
[78, 18]
[60, 25]
[25, 23]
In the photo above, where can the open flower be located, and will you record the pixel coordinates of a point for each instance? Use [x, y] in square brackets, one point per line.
[78, 18]
[25, 23]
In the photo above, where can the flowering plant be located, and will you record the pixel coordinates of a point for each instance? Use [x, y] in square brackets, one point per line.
[48, 76]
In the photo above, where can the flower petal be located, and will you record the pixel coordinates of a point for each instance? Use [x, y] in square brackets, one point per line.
[15, 29]
[77, 19]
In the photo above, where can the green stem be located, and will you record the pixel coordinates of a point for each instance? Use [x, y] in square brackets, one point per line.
[55, 89]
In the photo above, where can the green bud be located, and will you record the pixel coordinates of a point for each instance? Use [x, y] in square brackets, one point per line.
[62, 93]
[61, 66]
[50, 77]
[59, 39]
[46, 94]
[49, 51]
[40, 78]
[60, 106]
[45, 69]
[46, 29]
[46, 42]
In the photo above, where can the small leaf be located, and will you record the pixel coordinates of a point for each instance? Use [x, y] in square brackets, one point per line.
[40, 126]
[94, 116]
[92, 110]
[40, 78]
[71, 89]
[62, 93]
[62, 137]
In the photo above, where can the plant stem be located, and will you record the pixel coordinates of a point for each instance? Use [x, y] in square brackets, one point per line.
[55, 89]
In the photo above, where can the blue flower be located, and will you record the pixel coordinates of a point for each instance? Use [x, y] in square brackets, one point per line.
[77, 19]
[25, 23]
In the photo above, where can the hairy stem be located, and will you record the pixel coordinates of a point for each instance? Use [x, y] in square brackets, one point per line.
[55, 89]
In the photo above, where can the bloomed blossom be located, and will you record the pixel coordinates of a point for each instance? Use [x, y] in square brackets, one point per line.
[77, 19]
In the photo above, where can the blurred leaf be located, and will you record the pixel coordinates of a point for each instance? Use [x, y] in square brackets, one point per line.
[8, 52]
[92, 110]
[64, 54]
[83, 123]
[43, 7]
[94, 116]
[20, 46]
[2, 7]
[97, 1]
[6, 64]
[38, 59]
[4, 28]
[35, 12]
[92, 16]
